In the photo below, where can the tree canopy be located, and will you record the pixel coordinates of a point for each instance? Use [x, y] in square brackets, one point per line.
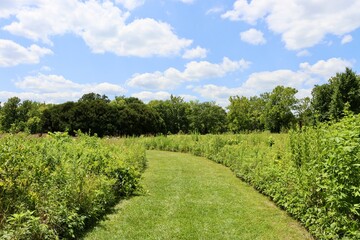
[276, 111]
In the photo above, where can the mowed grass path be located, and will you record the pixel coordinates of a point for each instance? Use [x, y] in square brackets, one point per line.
[194, 198]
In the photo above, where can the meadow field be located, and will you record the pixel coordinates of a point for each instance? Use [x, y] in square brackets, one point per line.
[57, 186]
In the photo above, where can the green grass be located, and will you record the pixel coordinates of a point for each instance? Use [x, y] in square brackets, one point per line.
[193, 198]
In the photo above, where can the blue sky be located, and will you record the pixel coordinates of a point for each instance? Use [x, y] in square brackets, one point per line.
[58, 50]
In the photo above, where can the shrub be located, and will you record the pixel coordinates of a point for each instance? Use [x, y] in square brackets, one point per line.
[54, 187]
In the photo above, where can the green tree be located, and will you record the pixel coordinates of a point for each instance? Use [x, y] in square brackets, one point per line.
[93, 97]
[303, 112]
[139, 118]
[59, 117]
[346, 87]
[321, 99]
[173, 113]
[245, 114]
[280, 103]
[329, 99]
[206, 117]
[30, 116]
[10, 114]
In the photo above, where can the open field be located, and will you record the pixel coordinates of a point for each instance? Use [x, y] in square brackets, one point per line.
[58, 186]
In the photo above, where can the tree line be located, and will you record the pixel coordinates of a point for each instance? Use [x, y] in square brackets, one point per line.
[276, 111]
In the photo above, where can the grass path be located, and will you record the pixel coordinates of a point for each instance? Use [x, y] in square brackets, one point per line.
[194, 198]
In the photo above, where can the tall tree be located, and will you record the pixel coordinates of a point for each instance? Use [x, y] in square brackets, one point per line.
[93, 97]
[346, 87]
[329, 99]
[173, 113]
[206, 117]
[245, 114]
[10, 113]
[304, 113]
[279, 108]
[321, 99]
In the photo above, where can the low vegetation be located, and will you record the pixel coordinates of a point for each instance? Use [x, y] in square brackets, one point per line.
[56, 186]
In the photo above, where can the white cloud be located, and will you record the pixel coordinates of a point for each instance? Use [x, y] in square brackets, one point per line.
[104, 88]
[148, 96]
[221, 94]
[346, 39]
[215, 10]
[301, 23]
[56, 88]
[100, 24]
[194, 71]
[268, 80]
[303, 79]
[212, 91]
[56, 97]
[253, 37]
[197, 52]
[12, 54]
[156, 80]
[303, 53]
[188, 97]
[131, 4]
[11, 7]
[47, 83]
[249, 12]
[326, 69]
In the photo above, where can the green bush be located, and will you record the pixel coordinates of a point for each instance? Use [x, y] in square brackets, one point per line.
[54, 187]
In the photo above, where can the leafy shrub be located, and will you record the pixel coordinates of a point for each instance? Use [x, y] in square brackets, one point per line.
[54, 187]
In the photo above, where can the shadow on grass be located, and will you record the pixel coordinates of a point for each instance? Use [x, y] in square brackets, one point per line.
[91, 224]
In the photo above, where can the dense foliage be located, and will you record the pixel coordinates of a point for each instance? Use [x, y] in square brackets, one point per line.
[329, 100]
[54, 187]
[276, 111]
[314, 174]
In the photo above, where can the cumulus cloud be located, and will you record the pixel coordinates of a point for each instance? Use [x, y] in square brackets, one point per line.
[147, 96]
[12, 54]
[303, 79]
[55, 97]
[47, 83]
[104, 88]
[56, 88]
[253, 36]
[346, 39]
[131, 4]
[301, 23]
[326, 68]
[194, 71]
[101, 24]
[221, 94]
[197, 52]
